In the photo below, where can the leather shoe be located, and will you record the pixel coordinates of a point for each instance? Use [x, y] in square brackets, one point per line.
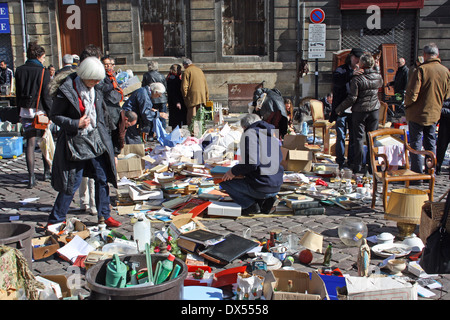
[110, 222]
[268, 205]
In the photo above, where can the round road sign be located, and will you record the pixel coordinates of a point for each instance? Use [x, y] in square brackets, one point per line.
[317, 15]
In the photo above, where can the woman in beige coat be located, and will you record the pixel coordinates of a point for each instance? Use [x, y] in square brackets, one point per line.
[193, 88]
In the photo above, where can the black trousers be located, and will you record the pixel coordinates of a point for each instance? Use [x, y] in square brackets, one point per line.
[443, 139]
[362, 123]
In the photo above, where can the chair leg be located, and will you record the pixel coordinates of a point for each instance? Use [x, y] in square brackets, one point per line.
[374, 193]
[431, 195]
[385, 193]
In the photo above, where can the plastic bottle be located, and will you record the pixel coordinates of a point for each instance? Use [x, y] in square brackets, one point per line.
[165, 269]
[305, 128]
[327, 257]
[142, 233]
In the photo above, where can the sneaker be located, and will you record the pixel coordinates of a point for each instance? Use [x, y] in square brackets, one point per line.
[253, 209]
[92, 211]
[110, 222]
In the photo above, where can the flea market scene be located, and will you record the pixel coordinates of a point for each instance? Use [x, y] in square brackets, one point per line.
[229, 150]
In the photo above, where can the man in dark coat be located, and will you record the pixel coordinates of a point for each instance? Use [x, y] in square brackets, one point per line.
[443, 138]
[153, 76]
[401, 78]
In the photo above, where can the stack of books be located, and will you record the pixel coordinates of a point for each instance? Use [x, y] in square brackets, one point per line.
[303, 205]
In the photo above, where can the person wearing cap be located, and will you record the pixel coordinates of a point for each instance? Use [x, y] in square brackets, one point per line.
[341, 85]
[141, 103]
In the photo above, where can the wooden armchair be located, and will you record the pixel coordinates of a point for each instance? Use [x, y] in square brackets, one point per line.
[383, 123]
[383, 172]
[319, 122]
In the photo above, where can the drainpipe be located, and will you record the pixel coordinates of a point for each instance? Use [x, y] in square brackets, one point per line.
[24, 32]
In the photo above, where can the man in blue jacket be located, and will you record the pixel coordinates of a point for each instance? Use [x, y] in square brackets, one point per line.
[256, 180]
[141, 103]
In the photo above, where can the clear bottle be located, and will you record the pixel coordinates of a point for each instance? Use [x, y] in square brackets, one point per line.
[305, 129]
[166, 269]
[142, 233]
[327, 257]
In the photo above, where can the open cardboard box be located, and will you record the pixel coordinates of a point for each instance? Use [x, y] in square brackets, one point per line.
[131, 167]
[57, 230]
[59, 285]
[303, 287]
[296, 157]
[44, 247]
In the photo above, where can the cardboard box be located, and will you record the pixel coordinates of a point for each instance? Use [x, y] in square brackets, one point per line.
[296, 157]
[303, 286]
[57, 230]
[382, 288]
[131, 167]
[44, 247]
[182, 220]
[61, 280]
[225, 209]
[95, 256]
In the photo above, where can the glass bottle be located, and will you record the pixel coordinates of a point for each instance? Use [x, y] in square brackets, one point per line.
[327, 257]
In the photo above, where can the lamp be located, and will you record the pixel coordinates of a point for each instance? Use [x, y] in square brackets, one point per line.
[312, 241]
[405, 207]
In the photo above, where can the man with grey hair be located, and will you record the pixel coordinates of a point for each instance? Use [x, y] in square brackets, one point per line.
[194, 89]
[67, 60]
[427, 89]
[255, 181]
[153, 76]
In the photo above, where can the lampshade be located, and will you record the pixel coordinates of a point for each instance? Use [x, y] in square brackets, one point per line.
[312, 241]
[405, 205]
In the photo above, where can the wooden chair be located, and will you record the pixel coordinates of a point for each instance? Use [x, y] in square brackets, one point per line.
[384, 175]
[382, 122]
[319, 122]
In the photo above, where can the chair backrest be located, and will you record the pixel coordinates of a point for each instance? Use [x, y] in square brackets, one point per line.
[383, 113]
[373, 149]
[316, 110]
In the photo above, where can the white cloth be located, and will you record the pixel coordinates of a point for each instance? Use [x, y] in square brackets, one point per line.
[88, 97]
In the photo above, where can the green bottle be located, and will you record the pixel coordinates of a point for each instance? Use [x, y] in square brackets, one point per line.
[327, 257]
[166, 269]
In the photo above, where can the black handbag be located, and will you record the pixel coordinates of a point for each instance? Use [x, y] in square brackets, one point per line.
[82, 147]
[436, 253]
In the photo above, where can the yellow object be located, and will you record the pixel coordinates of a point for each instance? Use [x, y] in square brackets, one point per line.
[405, 205]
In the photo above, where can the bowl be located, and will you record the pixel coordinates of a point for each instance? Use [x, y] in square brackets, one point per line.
[414, 242]
[279, 252]
[385, 237]
[397, 266]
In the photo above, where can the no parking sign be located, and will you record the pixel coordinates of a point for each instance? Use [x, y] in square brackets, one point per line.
[317, 15]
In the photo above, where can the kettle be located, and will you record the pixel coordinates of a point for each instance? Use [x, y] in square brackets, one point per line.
[116, 273]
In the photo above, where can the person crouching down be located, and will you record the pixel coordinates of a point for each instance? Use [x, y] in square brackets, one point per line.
[77, 110]
[256, 180]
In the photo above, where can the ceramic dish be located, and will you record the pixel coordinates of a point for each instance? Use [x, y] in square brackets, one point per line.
[388, 249]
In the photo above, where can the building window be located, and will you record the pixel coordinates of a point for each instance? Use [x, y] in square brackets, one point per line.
[244, 26]
[163, 28]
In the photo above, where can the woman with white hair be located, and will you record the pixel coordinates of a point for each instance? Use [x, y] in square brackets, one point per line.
[77, 110]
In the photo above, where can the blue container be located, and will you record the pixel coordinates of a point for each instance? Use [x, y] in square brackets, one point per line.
[331, 283]
[11, 147]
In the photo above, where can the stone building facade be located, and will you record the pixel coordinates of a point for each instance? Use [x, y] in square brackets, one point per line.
[238, 44]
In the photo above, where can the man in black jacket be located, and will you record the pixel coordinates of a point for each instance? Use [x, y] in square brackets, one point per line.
[443, 138]
[341, 79]
[255, 181]
[401, 78]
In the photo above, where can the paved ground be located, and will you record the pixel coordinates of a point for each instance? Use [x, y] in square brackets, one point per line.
[13, 176]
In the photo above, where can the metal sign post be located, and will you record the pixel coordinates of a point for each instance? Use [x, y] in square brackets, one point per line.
[317, 47]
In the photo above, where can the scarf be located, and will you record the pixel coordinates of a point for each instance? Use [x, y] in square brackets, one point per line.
[115, 84]
[87, 97]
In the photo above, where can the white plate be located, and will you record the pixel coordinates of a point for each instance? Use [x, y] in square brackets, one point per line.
[388, 249]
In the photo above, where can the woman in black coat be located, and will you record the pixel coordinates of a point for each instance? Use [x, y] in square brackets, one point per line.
[77, 109]
[28, 83]
[177, 108]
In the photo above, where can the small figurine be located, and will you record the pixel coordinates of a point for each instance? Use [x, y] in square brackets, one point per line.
[363, 259]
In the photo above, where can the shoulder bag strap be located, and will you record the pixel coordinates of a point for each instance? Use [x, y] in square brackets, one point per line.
[40, 89]
[446, 210]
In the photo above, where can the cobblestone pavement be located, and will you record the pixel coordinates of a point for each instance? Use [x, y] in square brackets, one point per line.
[13, 181]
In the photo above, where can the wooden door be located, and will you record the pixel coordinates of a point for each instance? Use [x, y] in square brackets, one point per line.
[79, 25]
[340, 57]
[153, 39]
[388, 66]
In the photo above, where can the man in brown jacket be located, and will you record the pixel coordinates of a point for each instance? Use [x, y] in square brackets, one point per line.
[427, 89]
[194, 88]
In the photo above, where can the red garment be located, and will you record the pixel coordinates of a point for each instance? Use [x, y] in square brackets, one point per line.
[115, 84]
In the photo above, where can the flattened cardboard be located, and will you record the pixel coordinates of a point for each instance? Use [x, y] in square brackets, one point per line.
[50, 247]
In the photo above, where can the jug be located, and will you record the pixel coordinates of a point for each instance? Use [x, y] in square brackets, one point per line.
[116, 273]
[142, 233]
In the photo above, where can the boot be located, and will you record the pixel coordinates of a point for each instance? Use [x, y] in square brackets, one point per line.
[47, 171]
[31, 182]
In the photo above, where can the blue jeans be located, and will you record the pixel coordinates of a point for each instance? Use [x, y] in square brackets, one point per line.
[102, 201]
[418, 132]
[242, 193]
[342, 124]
